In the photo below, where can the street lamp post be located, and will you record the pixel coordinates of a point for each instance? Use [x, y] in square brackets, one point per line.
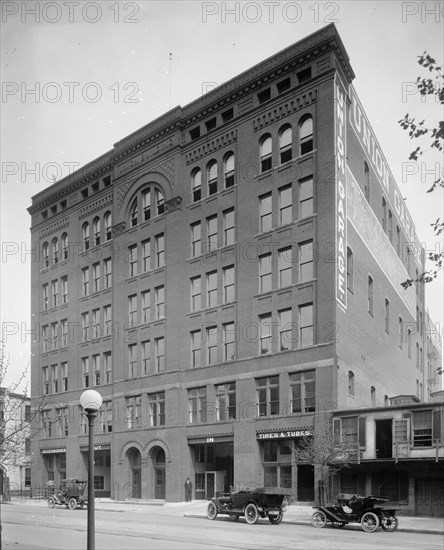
[91, 402]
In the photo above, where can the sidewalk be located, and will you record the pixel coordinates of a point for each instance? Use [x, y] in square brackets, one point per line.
[294, 514]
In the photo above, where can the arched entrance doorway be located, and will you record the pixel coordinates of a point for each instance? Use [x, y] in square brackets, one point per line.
[135, 463]
[158, 460]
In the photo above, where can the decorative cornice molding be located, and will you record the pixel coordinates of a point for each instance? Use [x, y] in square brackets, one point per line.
[211, 146]
[94, 206]
[292, 105]
[54, 227]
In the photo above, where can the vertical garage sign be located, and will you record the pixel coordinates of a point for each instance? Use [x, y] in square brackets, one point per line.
[341, 197]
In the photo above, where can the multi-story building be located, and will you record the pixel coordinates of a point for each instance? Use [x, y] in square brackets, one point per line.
[221, 276]
[15, 442]
[401, 454]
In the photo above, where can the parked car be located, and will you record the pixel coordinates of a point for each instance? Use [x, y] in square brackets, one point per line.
[253, 505]
[357, 509]
[71, 493]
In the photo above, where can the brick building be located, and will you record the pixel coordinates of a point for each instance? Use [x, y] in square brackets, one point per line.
[221, 276]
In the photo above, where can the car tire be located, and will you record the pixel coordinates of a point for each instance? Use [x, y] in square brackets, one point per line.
[251, 513]
[51, 502]
[211, 511]
[276, 520]
[369, 522]
[389, 523]
[72, 503]
[318, 519]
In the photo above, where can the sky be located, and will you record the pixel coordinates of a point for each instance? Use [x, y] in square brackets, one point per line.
[79, 76]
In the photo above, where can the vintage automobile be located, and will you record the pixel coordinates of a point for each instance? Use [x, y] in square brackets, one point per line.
[357, 509]
[255, 504]
[71, 493]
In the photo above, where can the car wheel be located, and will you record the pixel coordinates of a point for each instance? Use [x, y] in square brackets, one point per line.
[72, 503]
[389, 523]
[275, 520]
[338, 524]
[234, 517]
[369, 522]
[251, 513]
[51, 503]
[211, 511]
[318, 519]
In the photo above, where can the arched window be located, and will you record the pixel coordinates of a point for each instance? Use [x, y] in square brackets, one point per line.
[306, 135]
[160, 202]
[64, 241]
[349, 269]
[85, 235]
[108, 224]
[134, 213]
[212, 177]
[55, 250]
[45, 253]
[96, 230]
[146, 204]
[265, 152]
[229, 170]
[160, 456]
[351, 383]
[196, 184]
[285, 144]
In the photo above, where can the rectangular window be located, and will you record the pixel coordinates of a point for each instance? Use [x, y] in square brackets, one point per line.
[107, 365]
[211, 233]
[132, 260]
[400, 332]
[306, 271]
[64, 280]
[146, 306]
[285, 266]
[85, 326]
[306, 332]
[225, 401]
[211, 336]
[264, 96]
[303, 392]
[54, 335]
[96, 277]
[229, 341]
[160, 353]
[106, 417]
[306, 207]
[398, 241]
[133, 412]
[196, 239]
[387, 316]
[45, 380]
[285, 205]
[45, 296]
[196, 348]
[85, 281]
[132, 310]
[283, 85]
[132, 360]
[146, 356]
[265, 334]
[96, 327]
[265, 280]
[285, 329]
[160, 302]
[156, 403]
[267, 396]
[64, 369]
[85, 371]
[55, 378]
[46, 342]
[62, 420]
[422, 428]
[107, 272]
[265, 213]
[146, 255]
[229, 227]
[160, 250]
[197, 405]
[228, 282]
[196, 293]
[55, 292]
[370, 295]
[212, 289]
[96, 369]
[107, 320]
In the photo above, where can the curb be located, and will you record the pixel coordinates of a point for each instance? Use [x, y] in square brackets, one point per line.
[300, 522]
